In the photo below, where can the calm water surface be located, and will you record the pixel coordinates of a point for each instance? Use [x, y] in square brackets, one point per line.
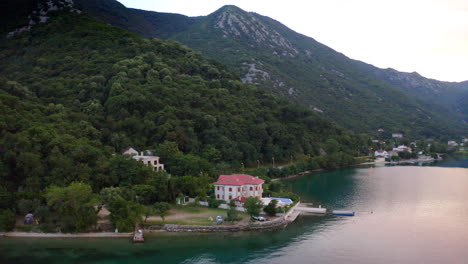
[404, 214]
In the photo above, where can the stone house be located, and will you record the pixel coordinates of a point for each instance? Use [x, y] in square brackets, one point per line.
[145, 157]
[237, 187]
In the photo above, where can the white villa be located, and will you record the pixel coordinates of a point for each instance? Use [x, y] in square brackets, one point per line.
[238, 187]
[402, 148]
[381, 153]
[146, 159]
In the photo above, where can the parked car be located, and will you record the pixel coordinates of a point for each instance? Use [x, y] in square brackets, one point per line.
[258, 218]
[219, 219]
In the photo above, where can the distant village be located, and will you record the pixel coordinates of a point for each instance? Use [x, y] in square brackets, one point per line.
[392, 151]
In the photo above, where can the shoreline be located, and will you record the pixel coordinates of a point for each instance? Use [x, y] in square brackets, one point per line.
[65, 235]
[297, 175]
[277, 223]
[409, 161]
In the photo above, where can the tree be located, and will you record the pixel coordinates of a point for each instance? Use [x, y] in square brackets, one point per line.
[145, 194]
[125, 215]
[161, 209]
[270, 209]
[253, 205]
[26, 206]
[232, 213]
[74, 205]
[149, 210]
[7, 220]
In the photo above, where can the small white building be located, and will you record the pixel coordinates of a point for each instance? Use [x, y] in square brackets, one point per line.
[381, 154]
[397, 135]
[146, 159]
[238, 187]
[452, 143]
[403, 148]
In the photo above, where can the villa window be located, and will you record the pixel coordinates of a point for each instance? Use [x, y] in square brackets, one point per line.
[149, 162]
[256, 188]
[230, 197]
[230, 189]
[217, 196]
[238, 189]
[251, 188]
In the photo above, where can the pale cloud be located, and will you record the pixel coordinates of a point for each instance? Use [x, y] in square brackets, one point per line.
[427, 36]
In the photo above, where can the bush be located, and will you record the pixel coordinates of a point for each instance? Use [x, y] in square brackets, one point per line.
[213, 203]
[232, 213]
[253, 205]
[7, 220]
[270, 209]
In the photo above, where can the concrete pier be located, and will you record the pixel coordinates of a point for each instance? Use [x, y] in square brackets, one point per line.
[306, 209]
[138, 236]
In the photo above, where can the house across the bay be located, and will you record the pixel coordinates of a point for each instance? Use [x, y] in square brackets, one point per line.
[381, 154]
[238, 187]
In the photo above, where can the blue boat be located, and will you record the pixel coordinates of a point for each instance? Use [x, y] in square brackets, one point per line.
[345, 213]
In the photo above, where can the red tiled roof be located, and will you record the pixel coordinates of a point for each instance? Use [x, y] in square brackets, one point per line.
[238, 179]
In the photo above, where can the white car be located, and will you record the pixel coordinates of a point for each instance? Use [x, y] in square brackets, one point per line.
[219, 219]
[258, 218]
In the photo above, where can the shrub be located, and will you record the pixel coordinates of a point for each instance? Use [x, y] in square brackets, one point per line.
[7, 220]
[270, 209]
[213, 203]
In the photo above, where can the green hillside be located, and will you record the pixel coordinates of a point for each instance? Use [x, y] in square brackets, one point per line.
[271, 56]
[75, 90]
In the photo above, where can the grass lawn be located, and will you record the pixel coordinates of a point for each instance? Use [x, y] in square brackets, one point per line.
[192, 215]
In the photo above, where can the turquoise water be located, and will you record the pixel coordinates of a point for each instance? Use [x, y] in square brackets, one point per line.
[404, 214]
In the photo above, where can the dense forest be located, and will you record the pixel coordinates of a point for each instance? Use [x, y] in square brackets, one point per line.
[275, 58]
[75, 91]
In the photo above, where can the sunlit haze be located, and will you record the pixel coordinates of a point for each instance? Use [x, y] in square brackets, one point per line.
[426, 36]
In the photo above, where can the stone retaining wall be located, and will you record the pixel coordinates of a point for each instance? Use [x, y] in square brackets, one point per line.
[273, 224]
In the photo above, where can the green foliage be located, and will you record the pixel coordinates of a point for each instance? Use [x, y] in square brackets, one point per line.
[253, 206]
[145, 194]
[270, 209]
[125, 215]
[126, 171]
[407, 155]
[232, 213]
[27, 206]
[162, 209]
[74, 206]
[213, 203]
[7, 220]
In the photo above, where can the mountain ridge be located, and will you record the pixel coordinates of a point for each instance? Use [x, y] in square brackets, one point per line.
[275, 58]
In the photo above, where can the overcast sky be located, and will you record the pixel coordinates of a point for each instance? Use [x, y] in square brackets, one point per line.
[426, 36]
